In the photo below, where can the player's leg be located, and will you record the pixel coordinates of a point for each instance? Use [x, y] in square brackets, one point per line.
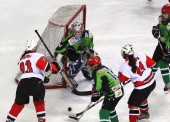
[22, 98]
[38, 93]
[144, 110]
[74, 68]
[108, 112]
[164, 67]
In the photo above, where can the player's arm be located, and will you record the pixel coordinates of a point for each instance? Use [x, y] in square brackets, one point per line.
[123, 79]
[150, 62]
[44, 65]
[63, 46]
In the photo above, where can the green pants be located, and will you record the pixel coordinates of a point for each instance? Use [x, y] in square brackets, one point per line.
[108, 116]
[164, 67]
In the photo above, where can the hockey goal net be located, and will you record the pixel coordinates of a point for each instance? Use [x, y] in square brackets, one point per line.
[57, 28]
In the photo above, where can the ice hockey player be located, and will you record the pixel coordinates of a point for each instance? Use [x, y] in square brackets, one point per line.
[34, 67]
[137, 68]
[77, 47]
[106, 84]
[162, 52]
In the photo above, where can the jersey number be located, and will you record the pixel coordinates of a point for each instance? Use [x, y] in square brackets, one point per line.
[140, 69]
[26, 68]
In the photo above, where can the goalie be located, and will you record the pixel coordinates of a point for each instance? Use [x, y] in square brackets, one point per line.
[77, 47]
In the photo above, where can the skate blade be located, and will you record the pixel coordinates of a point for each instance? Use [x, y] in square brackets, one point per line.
[166, 92]
[144, 120]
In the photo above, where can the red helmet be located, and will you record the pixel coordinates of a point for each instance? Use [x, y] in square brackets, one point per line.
[166, 8]
[94, 61]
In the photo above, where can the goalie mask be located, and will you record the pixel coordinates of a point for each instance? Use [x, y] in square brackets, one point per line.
[94, 61]
[31, 45]
[127, 50]
[77, 29]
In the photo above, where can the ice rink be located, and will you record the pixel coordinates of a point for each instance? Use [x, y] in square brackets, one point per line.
[113, 24]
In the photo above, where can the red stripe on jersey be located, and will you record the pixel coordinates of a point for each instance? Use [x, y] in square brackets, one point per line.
[150, 62]
[53, 68]
[146, 81]
[42, 63]
[123, 78]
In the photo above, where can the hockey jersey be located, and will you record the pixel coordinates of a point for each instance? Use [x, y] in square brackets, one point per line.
[34, 64]
[143, 76]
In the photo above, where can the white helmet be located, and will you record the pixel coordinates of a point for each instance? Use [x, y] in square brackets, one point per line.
[77, 28]
[127, 50]
[30, 45]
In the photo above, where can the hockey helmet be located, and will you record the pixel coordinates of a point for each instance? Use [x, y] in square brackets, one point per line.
[77, 28]
[127, 50]
[31, 45]
[94, 61]
[166, 8]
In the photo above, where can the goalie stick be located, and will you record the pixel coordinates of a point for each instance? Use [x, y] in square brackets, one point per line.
[77, 116]
[74, 91]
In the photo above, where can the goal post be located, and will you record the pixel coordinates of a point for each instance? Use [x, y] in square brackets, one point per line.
[58, 27]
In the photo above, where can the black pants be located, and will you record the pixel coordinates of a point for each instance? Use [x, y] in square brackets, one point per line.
[29, 87]
[139, 95]
[110, 103]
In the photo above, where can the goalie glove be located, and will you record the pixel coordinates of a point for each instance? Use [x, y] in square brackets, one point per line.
[155, 32]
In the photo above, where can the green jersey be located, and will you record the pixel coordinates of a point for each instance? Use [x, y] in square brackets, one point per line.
[106, 82]
[165, 33]
[76, 45]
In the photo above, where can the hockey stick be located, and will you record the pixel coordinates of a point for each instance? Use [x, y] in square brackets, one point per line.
[74, 91]
[159, 42]
[77, 116]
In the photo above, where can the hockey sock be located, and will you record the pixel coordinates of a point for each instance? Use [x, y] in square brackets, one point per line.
[164, 67]
[40, 110]
[104, 115]
[15, 110]
[113, 116]
[155, 68]
[133, 115]
[144, 107]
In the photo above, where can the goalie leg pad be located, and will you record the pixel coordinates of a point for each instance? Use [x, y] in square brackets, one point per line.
[74, 68]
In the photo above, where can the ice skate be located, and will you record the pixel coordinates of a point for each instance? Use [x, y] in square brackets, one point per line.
[144, 116]
[167, 88]
[9, 120]
[41, 119]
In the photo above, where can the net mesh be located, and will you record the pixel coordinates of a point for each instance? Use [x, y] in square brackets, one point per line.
[57, 28]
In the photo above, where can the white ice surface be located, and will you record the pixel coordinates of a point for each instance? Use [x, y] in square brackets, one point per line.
[113, 24]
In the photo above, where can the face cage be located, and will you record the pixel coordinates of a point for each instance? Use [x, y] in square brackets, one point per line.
[93, 66]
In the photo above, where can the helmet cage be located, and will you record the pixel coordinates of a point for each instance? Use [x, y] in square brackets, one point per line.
[127, 50]
[31, 45]
[77, 29]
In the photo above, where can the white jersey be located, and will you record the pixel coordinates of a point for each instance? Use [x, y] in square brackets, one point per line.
[143, 76]
[33, 65]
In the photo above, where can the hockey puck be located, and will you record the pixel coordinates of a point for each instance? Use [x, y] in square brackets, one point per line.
[69, 109]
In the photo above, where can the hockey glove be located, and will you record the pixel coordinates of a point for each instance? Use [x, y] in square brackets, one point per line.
[155, 31]
[46, 80]
[96, 96]
[57, 66]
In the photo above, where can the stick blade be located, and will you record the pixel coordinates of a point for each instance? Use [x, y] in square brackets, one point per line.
[74, 118]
